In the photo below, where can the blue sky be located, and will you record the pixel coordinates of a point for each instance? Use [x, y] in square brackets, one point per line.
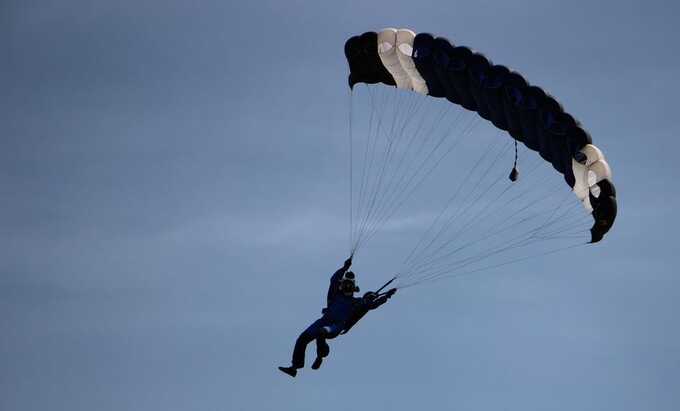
[173, 179]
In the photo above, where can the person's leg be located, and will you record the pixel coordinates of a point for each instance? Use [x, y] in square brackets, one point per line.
[305, 338]
[322, 348]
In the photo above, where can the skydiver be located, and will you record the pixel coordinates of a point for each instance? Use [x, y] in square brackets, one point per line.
[342, 311]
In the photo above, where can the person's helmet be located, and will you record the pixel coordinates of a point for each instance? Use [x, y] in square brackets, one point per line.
[348, 284]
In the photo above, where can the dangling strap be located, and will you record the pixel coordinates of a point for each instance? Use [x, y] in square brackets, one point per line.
[514, 174]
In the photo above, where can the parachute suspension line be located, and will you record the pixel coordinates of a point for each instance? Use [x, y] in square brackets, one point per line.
[457, 265]
[370, 187]
[488, 222]
[369, 159]
[517, 242]
[548, 222]
[404, 145]
[374, 193]
[425, 161]
[392, 144]
[432, 255]
[449, 202]
[490, 267]
[463, 183]
[394, 172]
[386, 184]
[402, 193]
[405, 191]
[491, 232]
[393, 192]
[396, 180]
[495, 229]
[373, 184]
[483, 212]
[351, 178]
[555, 227]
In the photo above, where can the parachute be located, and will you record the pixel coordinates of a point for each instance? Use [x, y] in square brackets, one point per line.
[433, 68]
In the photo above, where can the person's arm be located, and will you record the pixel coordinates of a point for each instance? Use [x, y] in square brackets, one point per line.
[372, 303]
[335, 279]
[341, 271]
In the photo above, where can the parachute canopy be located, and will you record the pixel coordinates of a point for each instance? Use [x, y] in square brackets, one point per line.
[435, 67]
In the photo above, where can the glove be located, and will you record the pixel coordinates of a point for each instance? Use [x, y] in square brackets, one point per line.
[348, 262]
[369, 296]
[391, 292]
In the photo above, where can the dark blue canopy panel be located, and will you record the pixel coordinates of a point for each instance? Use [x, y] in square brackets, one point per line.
[436, 67]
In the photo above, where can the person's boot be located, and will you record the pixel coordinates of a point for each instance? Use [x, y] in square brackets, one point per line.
[322, 349]
[317, 363]
[292, 371]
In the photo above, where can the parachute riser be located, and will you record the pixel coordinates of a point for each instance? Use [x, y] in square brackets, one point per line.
[385, 285]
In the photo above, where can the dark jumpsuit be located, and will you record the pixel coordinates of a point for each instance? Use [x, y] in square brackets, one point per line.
[341, 313]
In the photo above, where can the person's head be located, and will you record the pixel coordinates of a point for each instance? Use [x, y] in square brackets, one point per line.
[348, 284]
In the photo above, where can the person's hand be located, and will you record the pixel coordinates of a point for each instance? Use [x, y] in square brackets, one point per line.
[369, 296]
[348, 261]
[391, 292]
